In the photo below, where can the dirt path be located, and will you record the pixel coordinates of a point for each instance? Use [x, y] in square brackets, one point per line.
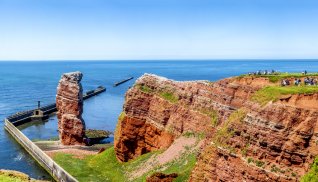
[53, 147]
[180, 146]
[77, 153]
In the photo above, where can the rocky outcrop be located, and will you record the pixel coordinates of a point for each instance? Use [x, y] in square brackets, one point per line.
[160, 177]
[69, 103]
[244, 140]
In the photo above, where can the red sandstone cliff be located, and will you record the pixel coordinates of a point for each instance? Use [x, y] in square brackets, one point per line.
[244, 141]
[69, 103]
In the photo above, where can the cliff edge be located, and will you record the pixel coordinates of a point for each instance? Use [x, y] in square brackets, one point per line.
[253, 130]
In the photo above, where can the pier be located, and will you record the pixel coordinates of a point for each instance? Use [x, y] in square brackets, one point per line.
[43, 113]
[123, 81]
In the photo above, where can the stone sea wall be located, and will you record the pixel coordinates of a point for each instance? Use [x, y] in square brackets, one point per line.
[44, 160]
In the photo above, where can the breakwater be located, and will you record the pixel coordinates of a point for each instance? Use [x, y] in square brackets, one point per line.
[123, 81]
[26, 116]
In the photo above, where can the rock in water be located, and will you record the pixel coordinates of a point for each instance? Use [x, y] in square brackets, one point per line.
[69, 103]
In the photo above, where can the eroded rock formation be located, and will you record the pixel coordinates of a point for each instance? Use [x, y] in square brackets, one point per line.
[244, 140]
[160, 177]
[69, 103]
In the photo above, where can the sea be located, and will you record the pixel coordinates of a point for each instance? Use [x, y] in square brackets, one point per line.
[23, 83]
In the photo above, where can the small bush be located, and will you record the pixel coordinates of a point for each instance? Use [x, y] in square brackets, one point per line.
[259, 163]
[249, 160]
[275, 169]
[188, 134]
[244, 150]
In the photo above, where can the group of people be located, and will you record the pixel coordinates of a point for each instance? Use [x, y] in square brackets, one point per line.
[285, 82]
[260, 72]
[297, 81]
[310, 81]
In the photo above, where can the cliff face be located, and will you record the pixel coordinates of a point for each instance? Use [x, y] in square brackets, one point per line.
[69, 103]
[244, 141]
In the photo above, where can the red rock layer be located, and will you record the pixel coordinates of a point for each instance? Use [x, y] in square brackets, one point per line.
[69, 103]
[276, 142]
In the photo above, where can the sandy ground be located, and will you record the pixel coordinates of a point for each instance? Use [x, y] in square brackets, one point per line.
[77, 153]
[180, 146]
[53, 147]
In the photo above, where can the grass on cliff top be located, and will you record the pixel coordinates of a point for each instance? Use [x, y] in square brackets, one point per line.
[145, 88]
[279, 76]
[167, 95]
[105, 167]
[312, 175]
[273, 93]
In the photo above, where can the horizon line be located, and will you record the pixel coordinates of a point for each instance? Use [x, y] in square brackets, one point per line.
[190, 59]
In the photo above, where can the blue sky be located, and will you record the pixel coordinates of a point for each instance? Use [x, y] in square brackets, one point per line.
[158, 29]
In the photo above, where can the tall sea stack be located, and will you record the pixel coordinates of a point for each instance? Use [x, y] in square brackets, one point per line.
[69, 103]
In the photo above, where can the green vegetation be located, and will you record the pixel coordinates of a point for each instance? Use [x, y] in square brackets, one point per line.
[225, 132]
[279, 76]
[312, 175]
[276, 169]
[273, 93]
[105, 167]
[182, 167]
[259, 163]
[55, 138]
[5, 178]
[165, 94]
[244, 150]
[97, 133]
[250, 160]
[189, 134]
[101, 167]
[213, 115]
[145, 88]
[14, 176]
[169, 96]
